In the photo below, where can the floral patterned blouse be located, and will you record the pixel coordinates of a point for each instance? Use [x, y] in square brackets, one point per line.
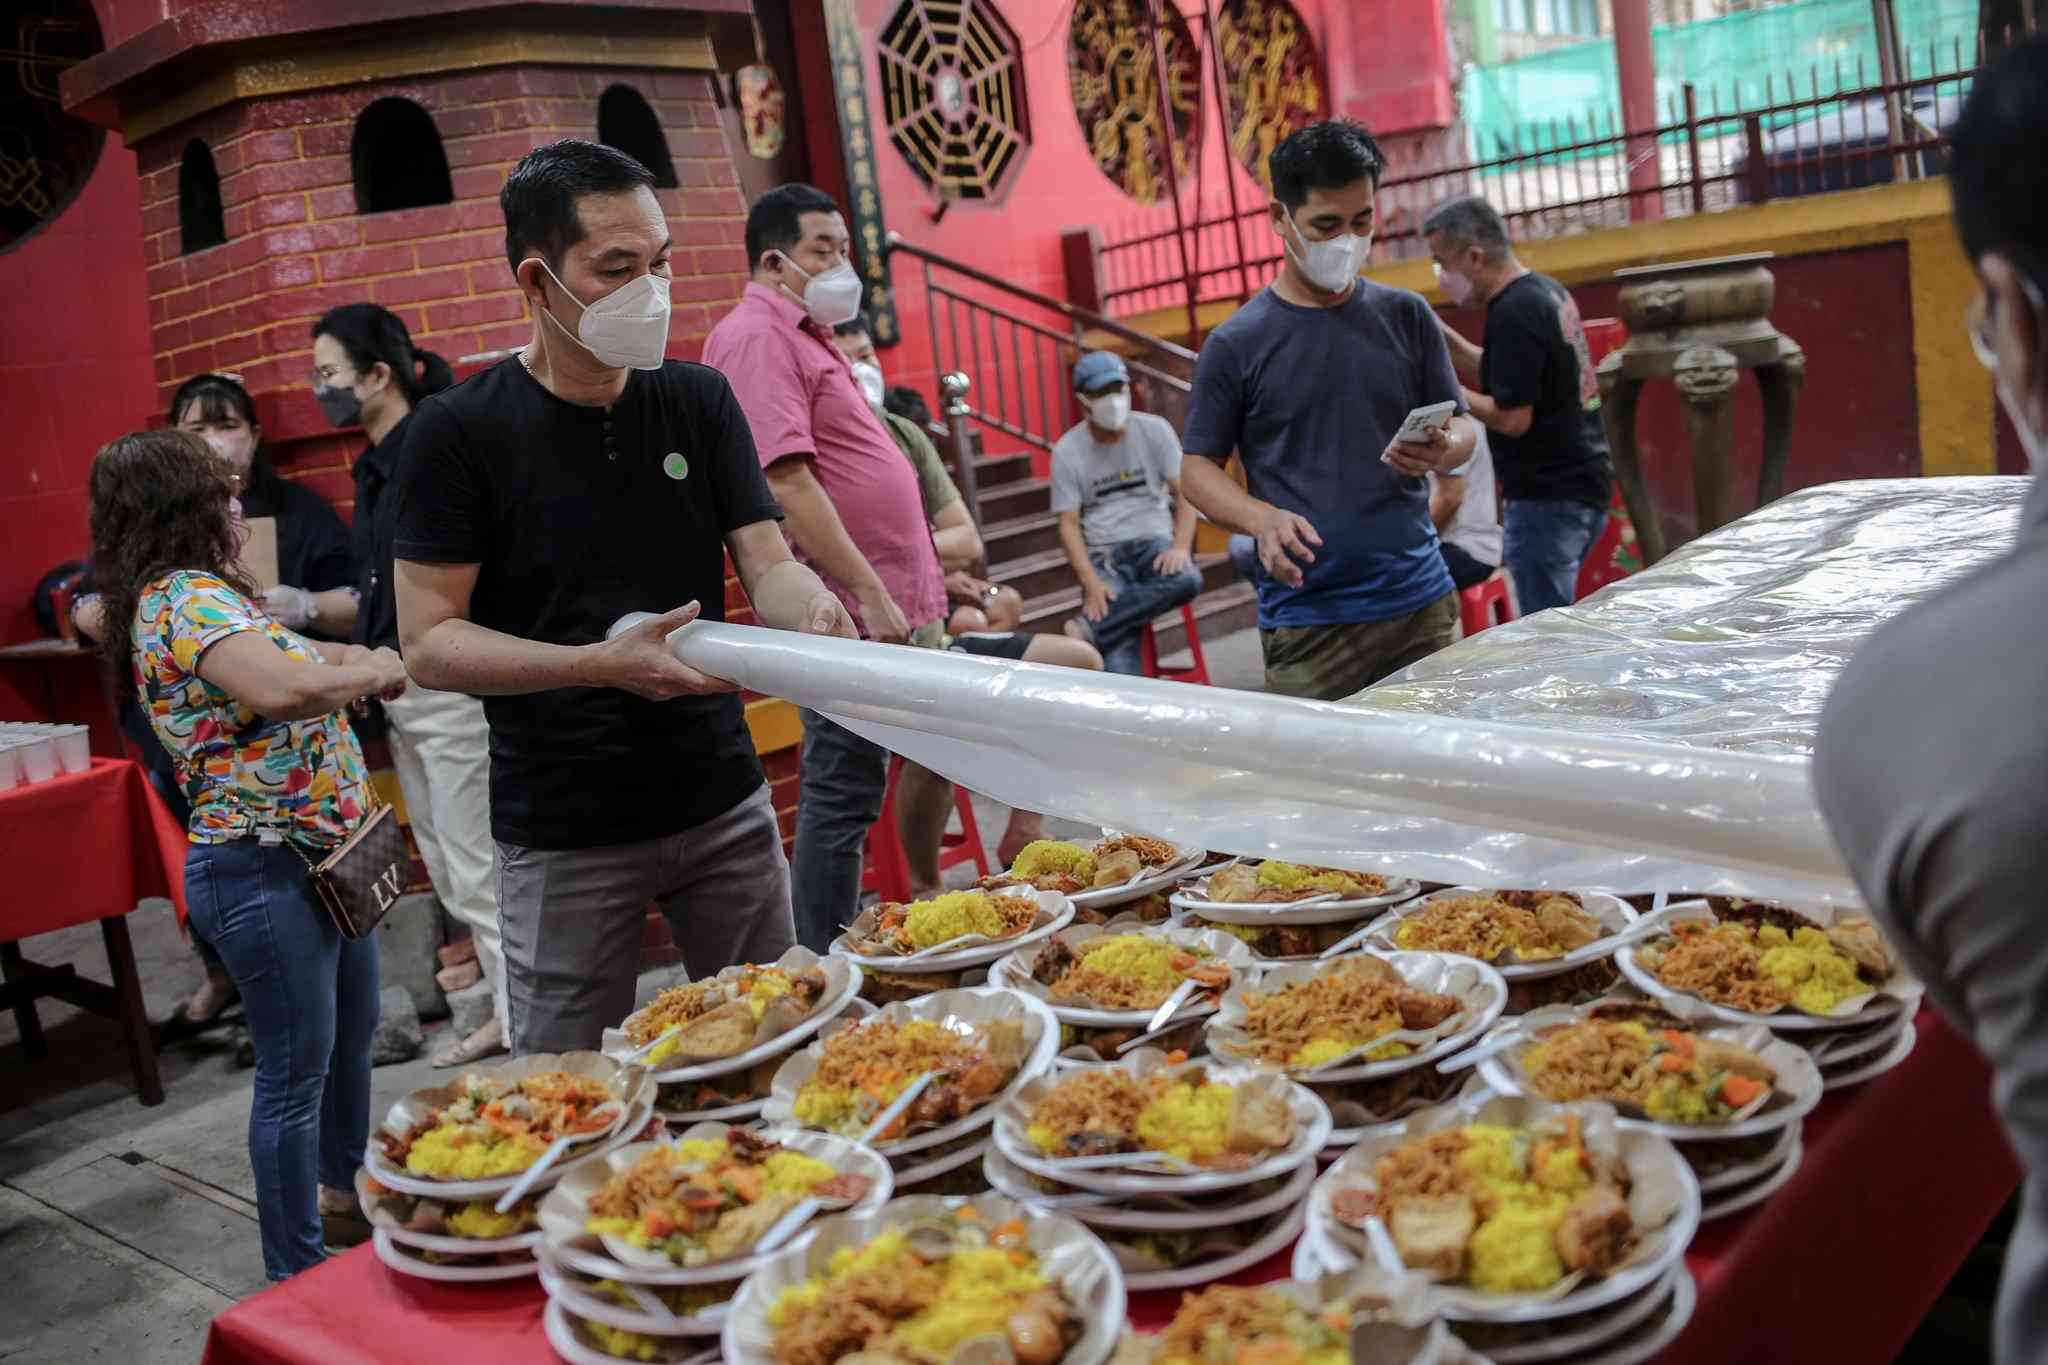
[242, 772]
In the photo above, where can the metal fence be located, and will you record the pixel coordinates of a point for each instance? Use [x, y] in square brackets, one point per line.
[1813, 132]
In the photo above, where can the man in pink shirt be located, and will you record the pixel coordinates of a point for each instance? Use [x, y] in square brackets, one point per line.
[851, 506]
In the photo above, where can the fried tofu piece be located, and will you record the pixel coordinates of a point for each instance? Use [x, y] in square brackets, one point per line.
[1566, 924]
[1596, 1231]
[1234, 885]
[1116, 868]
[1431, 1232]
[1857, 939]
[1259, 1122]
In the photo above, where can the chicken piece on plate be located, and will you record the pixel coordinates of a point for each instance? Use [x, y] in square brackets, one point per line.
[1421, 1009]
[1857, 939]
[1596, 1231]
[1431, 1232]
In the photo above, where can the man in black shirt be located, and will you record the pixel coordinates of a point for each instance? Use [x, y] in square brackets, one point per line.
[539, 502]
[1537, 394]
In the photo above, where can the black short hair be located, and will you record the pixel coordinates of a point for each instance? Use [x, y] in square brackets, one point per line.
[775, 223]
[855, 326]
[539, 198]
[1996, 174]
[906, 403]
[218, 397]
[1323, 156]
[1469, 221]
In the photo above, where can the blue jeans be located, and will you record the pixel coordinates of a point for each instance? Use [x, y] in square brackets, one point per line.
[844, 781]
[310, 997]
[1547, 539]
[1142, 592]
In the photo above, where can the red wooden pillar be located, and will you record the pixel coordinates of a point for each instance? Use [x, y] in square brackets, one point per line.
[1635, 63]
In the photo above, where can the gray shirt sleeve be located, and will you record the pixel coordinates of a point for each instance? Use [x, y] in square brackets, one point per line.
[1162, 445]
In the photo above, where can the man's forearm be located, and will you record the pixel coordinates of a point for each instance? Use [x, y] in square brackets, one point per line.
[1443, 509]
[1465, 357]
[814, 524]
[462, 656]
[334, 610]
[1184, 518]
[783, 594]
[959, 547]
[1216, 495]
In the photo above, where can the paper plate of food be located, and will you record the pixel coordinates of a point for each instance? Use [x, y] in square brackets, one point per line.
[477, 1135]
[1661, 1074]
[471, 1267]
[1360, 1108]
[456, 1227]
[1745, 962]
[932, 1162]
[937, 1278]
[1273, 891]
[729, 1022]
[1113, 870]
[656, 1310]
[1308, 1320]
[954, 930]
[1275, 941]
[1359, 1017]
[1150, 1212]
[589, 1341]
[1179, 1260]
[977, 1047]
[1149, 1125]
[1527, 1343]
[693, 1210]
[1100, 977]
[1518, 1209]
[1526, 934]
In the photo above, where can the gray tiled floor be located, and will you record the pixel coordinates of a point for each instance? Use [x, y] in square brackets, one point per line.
[125, 1229]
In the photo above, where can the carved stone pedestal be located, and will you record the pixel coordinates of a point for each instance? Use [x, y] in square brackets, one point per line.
[1700, 324]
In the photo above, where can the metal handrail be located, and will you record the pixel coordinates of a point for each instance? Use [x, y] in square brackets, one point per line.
[1094, 322]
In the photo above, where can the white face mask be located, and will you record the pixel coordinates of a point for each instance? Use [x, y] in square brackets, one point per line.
[1457, 288]
[627, 328]
[1111, 411]
[830, 298]
[1333, 265]
[868, 375]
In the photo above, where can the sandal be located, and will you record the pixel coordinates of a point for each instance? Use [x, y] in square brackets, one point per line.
[181, 1024]
[487, 1041]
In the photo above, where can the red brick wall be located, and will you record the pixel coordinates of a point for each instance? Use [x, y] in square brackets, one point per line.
[297, 247]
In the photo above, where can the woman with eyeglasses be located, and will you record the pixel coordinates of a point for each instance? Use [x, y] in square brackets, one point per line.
[315, 593]
[254, 716]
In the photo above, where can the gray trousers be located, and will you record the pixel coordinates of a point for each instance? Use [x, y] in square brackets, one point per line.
[572, 919]
[845, 779]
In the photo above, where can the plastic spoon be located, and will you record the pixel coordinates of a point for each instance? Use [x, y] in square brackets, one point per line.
[1473, 1056]
[1383, 1249]
[1348, 942]
[790, 1223]
[534, 1173]
[1115, 1161]
[646, 1302]
[1171, 1005]
[641, 1051]
[897, 1107]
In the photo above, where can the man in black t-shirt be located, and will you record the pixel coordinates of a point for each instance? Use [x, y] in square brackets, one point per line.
[1536, 393]
[539, 502]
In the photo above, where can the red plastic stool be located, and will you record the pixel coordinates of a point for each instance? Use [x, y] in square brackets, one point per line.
[1478, 604]
[1148, 652]
[887, 872]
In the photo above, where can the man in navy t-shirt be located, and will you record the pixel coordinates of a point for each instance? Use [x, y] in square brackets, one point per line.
[1309, 382]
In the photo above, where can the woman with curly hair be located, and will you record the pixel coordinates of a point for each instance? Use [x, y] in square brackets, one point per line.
[253, 717]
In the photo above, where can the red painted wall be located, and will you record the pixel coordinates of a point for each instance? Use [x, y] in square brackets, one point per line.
[1857, 421]
[74, 373]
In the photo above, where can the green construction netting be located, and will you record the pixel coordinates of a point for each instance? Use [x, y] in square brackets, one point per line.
[1809, 44]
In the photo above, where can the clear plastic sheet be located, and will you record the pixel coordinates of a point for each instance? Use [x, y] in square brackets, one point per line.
[1652, 738]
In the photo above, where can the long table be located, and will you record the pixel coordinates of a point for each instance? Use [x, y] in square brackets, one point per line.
[78, 848]
[1900, 1178]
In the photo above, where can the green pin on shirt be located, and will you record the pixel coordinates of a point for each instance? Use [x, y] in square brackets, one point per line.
[675, 466]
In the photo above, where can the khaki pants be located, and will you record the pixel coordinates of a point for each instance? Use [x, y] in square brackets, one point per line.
[441, 747]
[1329, 663]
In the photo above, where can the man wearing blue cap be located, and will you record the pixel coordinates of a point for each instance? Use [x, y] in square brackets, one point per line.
[1123, 523]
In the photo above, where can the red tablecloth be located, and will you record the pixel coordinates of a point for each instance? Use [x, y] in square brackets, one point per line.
[86, 846]
[1901, 1177]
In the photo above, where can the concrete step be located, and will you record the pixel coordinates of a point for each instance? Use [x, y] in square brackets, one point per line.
[1020, 536]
